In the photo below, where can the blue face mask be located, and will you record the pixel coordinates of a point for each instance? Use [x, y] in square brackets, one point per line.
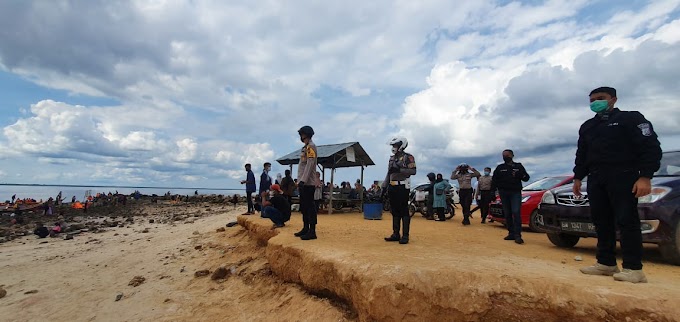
[599, 106]
[487, 173]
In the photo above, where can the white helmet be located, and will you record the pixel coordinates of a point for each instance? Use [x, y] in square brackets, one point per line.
[403, 143]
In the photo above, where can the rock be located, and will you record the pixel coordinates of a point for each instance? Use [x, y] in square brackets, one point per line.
[196, 232]
[137, 281]
[151, 221]
[68, 237]
[182, 270]
[198, 247]
[167, 300]
[232, 224]
[119, 296]
[564, 261]
[146, 230]
[220, 273]
[3, 293]
[221, 229]
[31, 292]
[202, 273]
[578, 258]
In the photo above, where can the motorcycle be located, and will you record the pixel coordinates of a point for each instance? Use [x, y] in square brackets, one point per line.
[418, 202]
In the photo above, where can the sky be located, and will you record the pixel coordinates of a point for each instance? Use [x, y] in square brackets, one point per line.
[184, 93]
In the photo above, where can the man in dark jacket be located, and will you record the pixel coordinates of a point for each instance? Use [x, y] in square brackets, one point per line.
[619, 152]
[250, 188]
[277, 208]
[507, 178]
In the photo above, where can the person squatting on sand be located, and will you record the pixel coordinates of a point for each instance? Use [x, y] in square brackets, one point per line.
[396, 185]
[306, 182]
[619, 152]
[277, 208]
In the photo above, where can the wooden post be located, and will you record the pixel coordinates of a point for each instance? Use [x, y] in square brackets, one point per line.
[330, 199]
[361, 196]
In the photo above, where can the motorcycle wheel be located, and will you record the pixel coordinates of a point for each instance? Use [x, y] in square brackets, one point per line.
[411, 210]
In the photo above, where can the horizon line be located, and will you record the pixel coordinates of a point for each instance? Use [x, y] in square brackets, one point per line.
[109, 186]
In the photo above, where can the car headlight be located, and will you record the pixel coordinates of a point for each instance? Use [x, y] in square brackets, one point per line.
[657, 193]
[525, 199]
[548, 198]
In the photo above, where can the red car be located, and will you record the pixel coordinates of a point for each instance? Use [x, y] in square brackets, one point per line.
[531, 197]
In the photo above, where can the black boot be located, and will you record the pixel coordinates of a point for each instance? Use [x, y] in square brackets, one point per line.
[466, 220]
[394, 237]
[406, 229]
[304, 231]
[311, 234]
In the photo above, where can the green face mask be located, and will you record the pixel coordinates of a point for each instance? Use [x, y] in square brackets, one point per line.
[599, 106]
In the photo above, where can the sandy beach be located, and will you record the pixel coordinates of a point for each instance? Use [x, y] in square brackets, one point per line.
[348, 274]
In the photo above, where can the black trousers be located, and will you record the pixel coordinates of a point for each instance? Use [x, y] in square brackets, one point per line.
[249, 199]
[612, 205]
[465, 196]
[485, 198]
[307, 205]
[399, 207]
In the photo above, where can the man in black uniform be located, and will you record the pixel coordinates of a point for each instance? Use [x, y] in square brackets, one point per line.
[507, 178]
[619, 152]
[400, 167]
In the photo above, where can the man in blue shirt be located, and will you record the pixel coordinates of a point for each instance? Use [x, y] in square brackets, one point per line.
[250, 188]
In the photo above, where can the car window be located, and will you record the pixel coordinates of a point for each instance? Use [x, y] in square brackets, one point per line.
[670, 165]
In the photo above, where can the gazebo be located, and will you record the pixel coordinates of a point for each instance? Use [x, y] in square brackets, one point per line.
[333, 156]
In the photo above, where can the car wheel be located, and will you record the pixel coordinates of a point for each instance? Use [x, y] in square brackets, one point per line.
[563, 240]
[533, 223]
[671, 250]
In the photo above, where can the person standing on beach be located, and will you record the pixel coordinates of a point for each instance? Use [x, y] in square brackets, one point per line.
[507, 178]
[619, 152]
[265, 182]
[400, 167]
[250, 188]
[306, 183]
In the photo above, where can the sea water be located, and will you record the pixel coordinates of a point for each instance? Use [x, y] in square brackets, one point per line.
[44, 192]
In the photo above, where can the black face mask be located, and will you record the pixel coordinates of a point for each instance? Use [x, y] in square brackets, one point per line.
[507, 159]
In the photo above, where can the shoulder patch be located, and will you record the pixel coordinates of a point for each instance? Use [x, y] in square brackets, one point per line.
[310, 152]
[645, 128]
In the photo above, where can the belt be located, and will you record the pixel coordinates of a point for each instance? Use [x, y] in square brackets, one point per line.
[398, 183]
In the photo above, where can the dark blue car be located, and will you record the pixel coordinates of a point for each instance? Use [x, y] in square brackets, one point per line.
[566, 219]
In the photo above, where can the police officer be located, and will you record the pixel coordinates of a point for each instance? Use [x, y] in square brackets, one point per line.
[619, 152]
[306, 183]
[464, 177]
[483, 194]
[396, 184]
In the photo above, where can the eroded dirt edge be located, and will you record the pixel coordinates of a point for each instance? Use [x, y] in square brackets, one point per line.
[373, 291]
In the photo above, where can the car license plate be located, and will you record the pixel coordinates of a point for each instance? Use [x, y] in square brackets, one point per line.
[496, 211]
[583, 227]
